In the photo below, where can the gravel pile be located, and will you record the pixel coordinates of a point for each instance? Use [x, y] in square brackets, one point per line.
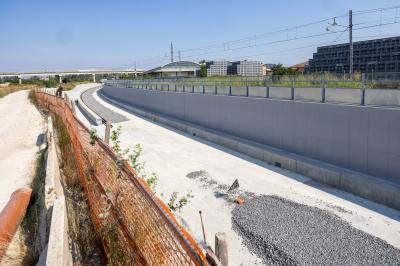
[282, 232]
[102, 111]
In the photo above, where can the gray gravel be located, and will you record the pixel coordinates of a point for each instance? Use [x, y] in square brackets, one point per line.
[282, 232]
[102, 111]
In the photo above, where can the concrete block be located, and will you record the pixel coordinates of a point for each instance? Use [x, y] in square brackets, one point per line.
[251, 150]
[281, 159]
[372, 188]
[223, 90]
[209, 89]
[319, 173]
[338, 95]
[89, 113]
[308, 94]
[198, 88]
[239, 91]
[258, 92]
[382, 97]
[283, 93]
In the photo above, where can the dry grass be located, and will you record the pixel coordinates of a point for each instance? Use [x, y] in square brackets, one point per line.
[86, 243]
[13, 88]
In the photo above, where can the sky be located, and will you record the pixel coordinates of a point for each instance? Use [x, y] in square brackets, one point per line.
[69, 35]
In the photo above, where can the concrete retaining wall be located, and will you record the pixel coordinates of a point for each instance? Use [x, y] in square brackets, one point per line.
[363, 139]
[89, 113]
[258, 92]
[239, 91]
[366, 186]
[350, 96]
[308, 94]
[283, 93]
[384, 97]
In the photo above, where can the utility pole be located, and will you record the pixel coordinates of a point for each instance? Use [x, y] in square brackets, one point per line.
[179, 55]
[172, 53]
[135, 71]
[351, 42]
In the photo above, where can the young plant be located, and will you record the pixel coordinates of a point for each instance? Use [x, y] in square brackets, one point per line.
[93, 136]
[176, 204]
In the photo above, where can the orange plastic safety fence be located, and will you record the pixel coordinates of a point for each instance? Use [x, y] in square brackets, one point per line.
[137, 228]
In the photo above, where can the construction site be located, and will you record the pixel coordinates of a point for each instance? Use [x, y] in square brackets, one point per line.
[182, 159]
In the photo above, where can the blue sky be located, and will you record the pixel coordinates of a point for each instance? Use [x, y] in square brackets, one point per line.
[56, 35]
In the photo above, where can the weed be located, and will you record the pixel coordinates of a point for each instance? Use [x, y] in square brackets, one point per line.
[93, 136]
[133, 158]
[176, 204]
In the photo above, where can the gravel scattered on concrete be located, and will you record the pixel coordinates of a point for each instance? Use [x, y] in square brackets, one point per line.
[104, 112]
[282, 232]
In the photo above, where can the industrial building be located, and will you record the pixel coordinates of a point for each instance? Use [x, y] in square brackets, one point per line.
[175, 69]
[240, 68]
[379, 55]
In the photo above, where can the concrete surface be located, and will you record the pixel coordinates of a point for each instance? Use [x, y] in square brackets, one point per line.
[366, 186]
[282, 93]
[308, 94]
[20, 133]
[363, 139]
[346, 96]
[384, 97]
[100, 110]
[165, 149]
[58, 252]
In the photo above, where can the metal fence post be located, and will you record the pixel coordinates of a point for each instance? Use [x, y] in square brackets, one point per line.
[292, 90]
[323, 88]
[363, 89]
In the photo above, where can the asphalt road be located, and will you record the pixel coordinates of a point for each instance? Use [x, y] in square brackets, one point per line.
[104, 112]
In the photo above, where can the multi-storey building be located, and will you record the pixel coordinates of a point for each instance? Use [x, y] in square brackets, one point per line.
[248, 68]
[380, 55]
[218, 68]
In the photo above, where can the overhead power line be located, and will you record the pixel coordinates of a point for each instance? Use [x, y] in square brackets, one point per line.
[257, 40]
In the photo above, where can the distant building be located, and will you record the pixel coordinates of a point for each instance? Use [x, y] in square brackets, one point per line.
[267, 69]
[219, 68]
[241, 68]
[248, 68]
[379, 55]
[299, 67]
[175, 69]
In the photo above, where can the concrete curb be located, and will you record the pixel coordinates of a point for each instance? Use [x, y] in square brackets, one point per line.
[366, 186]
[57, 251]
[96, 119]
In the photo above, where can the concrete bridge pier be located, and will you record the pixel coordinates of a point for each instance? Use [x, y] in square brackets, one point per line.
[94, 77]
[19, 80]
[60, 79]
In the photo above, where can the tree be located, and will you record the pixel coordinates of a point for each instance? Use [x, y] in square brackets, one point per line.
[203, 70]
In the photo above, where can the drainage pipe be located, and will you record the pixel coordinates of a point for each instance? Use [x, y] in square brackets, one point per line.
[12, 215]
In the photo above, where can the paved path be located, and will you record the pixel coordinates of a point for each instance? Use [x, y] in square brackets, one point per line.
[21, 125]
[102, 111]
[186, 163]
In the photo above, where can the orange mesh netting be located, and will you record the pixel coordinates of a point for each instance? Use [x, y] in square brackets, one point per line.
[135, 225]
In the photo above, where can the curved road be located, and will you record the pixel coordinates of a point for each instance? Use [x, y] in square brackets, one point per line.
[102, 111]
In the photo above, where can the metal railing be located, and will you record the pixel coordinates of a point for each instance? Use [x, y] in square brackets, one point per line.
[360, 89]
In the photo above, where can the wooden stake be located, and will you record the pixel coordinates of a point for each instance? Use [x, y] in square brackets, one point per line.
[202, 226]
[107, 133]
[221, 248]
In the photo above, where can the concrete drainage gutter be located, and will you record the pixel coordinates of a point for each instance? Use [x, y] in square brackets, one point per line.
[96, 119]
[363, 185]
[57, 250]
